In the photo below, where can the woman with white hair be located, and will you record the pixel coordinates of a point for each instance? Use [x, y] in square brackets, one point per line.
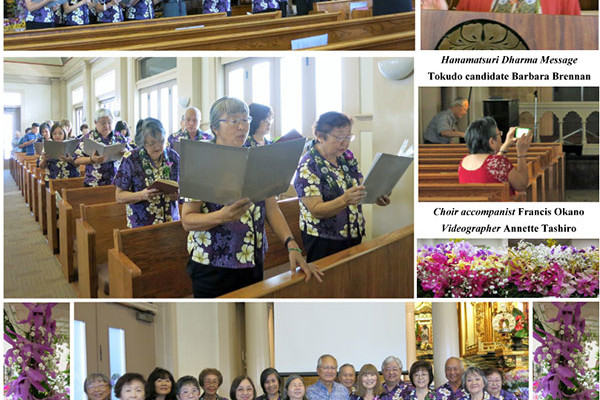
[227, 243]
[98, 171]
[139, 169]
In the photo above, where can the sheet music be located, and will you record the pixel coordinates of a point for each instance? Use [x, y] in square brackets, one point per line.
[54, 149]
[384, 174]
[225, 174]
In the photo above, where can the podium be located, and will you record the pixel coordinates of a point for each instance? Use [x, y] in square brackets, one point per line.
[465, 30]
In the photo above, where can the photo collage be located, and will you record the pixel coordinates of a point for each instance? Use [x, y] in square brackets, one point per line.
[388, 200]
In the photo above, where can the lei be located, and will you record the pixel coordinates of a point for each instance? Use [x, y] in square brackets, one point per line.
[346, 162]
[153, 173]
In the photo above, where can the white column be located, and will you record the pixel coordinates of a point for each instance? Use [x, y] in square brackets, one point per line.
[88, 95]
[257, 340]
[583, 132]
[445, 337]
[411, 342]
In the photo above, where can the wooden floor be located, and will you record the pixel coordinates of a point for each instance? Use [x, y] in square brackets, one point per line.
[30, 268]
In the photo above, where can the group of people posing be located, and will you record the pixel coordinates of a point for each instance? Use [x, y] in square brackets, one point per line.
[487, 161]
[332, 384]
[227, 242]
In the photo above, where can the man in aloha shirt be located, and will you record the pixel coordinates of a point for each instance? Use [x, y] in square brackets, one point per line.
[142, 9]
[191, 128]
[326, 388]
[451, 390]
[97, 171]
[393, 387]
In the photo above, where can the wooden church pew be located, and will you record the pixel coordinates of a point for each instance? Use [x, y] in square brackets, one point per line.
[465, 191]
[280, 39]
[117, 37]
[68, 209]
[53, 191]
[382, 267]
[147, 38]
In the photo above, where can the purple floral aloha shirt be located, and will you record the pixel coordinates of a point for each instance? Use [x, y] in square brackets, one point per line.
[251, 142]
[262, 5]
[111, 14]
[57, 169]
[398, 392]
[239, 244]
[177, 136]
[135, 174]
[144, 9]
[411, 394]
[79, 16]
[216, 6]
[317, 177]
[44, 14]
[466, 396]
[100, 174]
[445, 392]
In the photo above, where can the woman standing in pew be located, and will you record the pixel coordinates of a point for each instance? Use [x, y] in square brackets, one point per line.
[140, 9]
[39, 15]
[139, 169]
[328, 183]
[99, 172]
[487, 162]
[108, 11]
[262, 118]
[62, 168]
[76, 12]
[216, 6]
[227, 243]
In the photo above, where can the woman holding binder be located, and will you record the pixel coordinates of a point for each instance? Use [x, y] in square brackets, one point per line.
[139, 169]
[61, 168]
[98, 171]
[328, 183]
[227, 243]
[108, 11]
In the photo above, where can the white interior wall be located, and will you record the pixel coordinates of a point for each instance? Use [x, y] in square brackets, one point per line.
[36, 99]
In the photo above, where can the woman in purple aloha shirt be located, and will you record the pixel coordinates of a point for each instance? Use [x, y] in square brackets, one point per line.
[328, 183]
[262, 119]
[61, 168]
[98, 171]
[421, 377]
[227, 243]
[76, 12]
[108, 11]
[259, 6]
[216, 6]
[474, 384]
[368, 385]
[139, 169]
[140, 9]
[495, 382]
[39, 15]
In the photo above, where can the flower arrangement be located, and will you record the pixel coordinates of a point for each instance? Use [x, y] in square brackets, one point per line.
[459, 269]
[517, 382]
[34, 355]
[562, 356]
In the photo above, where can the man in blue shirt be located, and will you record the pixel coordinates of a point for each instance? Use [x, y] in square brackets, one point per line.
[326, 388]
[26, 142]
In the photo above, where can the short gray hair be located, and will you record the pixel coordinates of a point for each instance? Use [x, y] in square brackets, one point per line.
[473, 371]
[459, 102]
[103, 112]
[324, 356]
[91, 378]
[390, 359]
[192, 108]
[226, 106]
[152, 127]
